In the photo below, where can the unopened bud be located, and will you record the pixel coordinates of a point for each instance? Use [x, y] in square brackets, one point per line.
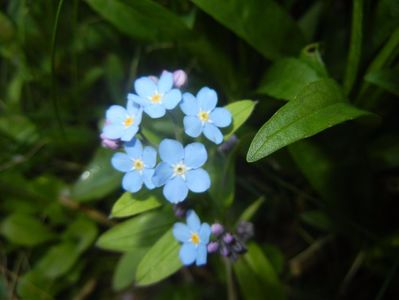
[179, 78]
[217, 229]
[213, 247]
[109, 143]
[228, 238]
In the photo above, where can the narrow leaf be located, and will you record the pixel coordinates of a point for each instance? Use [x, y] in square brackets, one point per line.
[125, 271]
[387, 79]
[240, 111]
[250, 211]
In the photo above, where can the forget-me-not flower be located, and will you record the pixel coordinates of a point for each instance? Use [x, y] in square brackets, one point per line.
[195, 237]
[138, 163]
[202, 115]
[122, 123]
[180, 170]
[156, 97]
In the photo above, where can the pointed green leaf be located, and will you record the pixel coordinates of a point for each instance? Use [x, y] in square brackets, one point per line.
[138, 232]
[161, 261]
[250, 211]
[256, 22]
[132, 204]
[320, 105]
[240, 112]
[317, 219]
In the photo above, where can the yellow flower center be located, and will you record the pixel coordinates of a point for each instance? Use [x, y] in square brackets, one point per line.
[203, 116]
[156, 98]
[195, 239]
[128, 121]
[180, 169]
[138, 164]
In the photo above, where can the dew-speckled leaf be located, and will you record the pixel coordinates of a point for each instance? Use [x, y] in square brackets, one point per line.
[98, 179]
[265, 25]
[25, 230]
[144, 20]
[132, 204]
[138, 232]
[125, 271]
[240, 112]
[286, 78]
[320, 105]
[161, 261]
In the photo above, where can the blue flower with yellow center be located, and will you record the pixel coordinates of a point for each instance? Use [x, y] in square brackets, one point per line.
[180, 170]
[195, 238]
[156, 97]
[202, 115]
[122, 123]
[138, 163]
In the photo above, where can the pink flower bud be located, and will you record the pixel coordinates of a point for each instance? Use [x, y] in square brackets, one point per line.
[217, 229]
[213, 247]
[108, 143]
[179, 78]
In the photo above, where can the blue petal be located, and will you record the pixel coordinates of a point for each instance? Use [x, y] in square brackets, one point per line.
[207, 99]
[175, 190]
[188, 253]
[122, 162]
[113, 131]
[202, 253]
[193, 221]
[189, 105]
[171, 99]
[134, 149]
[149, 157]
[195, 155]
[165, 82]
[147, 177]
[145, 87]
[213, 133]
[137, 99]
[132, 181]
[116, 114]
[205, 233]
[221, 117]
[163, 173]
[129, 133]
[181, 232]
[198, 180]
[171, 151]
[192, 126]
[155, 111]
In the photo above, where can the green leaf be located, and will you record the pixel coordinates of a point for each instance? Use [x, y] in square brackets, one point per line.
[25, 230]
[19, 128]
[256, 22]
[286, 78]
[125, 271]
[240, 111]
[82, 233]
[58, 260]
[34, 286]
[161, 261]
[7, 29]
[250, 211]
[319, 106]
[317, 219]
[138, 232]
[387, 79]
[144, 20]
[311, 55]
[98, 180]
[132, 204]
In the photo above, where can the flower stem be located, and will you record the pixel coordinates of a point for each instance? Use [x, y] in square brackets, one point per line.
[231, 291]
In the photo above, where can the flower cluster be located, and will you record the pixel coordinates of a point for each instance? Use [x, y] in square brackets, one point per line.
[180, 168]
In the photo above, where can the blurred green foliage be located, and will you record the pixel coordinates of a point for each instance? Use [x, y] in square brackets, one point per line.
[324, 208]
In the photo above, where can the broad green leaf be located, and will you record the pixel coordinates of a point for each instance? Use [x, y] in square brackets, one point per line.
[240, 111]
[132, 204]
[256, 22]
[387, 79]
[125, 271]
[35, 286]
[286, 78]
[98, 180]
[317, 219]
[250, 211]
[161, 261]
[58, 260]
[138, 232]
[144, 20]
[319, 106]
[25, 230]
[82, 233]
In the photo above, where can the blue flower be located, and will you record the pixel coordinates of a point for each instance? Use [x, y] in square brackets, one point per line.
[137, 163]
[195, 237]
[180, 170]
[156, 97]
[203, 117]
[122, 123]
